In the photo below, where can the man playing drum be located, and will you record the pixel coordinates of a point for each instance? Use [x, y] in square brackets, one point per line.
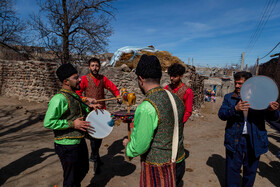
[153, 128]
[244, 142]
[65, 116]
[93, 85]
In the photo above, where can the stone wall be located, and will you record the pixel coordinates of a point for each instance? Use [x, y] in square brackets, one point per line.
[223, 85]
[272, 70]
[129, 80]
[29, 80]
[36, 81]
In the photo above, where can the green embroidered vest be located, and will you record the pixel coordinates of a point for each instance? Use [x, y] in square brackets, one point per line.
[161, 146]
[74, 111]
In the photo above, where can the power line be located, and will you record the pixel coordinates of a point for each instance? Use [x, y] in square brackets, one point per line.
[258, 26]
[259, 33]
[267, 11]
[269, 51]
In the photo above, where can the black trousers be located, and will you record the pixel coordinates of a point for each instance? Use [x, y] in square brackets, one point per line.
[180, 171]
[74, 161]
[95, 145]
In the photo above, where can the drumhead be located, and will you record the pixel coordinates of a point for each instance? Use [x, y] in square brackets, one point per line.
[259, 91]
[100, 120]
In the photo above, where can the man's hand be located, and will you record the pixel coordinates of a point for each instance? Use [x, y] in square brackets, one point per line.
[242, 106]
[119, 100]
[91, 100]
[80, 124]
[125, 142]
[273, 106]
[95, 106]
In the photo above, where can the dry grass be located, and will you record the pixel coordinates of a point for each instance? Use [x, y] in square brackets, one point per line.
[165, 58]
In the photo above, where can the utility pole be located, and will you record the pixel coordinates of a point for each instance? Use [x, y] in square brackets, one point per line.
[242, 62]
[257, 68]
[189, 61]
[192, 61]
[246, 67]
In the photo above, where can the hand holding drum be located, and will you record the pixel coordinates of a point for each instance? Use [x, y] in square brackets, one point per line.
[258, 93]
[101, 122]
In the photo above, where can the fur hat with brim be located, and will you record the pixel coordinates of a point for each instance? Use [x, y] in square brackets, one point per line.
[65, 71]
[149, 67]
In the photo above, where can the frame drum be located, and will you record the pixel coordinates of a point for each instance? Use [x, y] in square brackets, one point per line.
[102, 123]
[259, 91]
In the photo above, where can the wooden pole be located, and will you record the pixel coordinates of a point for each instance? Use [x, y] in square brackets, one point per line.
[257, 68]
[128, 124]
[109, 99]
[242, 62]
[192, 61]
[128, 131]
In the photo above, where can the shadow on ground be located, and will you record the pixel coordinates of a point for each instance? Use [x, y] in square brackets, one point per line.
[218, 163]
[23, 163]
[271, 172]
[11, 126]
[114, 165]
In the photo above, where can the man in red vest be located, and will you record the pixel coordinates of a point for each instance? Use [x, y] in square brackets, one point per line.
[93, 85]
[176, 73]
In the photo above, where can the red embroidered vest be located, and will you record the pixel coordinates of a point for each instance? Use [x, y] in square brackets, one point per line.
[181, 91]
[94, 91]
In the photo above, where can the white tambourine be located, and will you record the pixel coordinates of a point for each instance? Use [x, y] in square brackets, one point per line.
[259, 91]
[102, 123]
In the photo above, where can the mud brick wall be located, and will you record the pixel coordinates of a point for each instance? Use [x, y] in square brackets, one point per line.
[129, 81]
[272, 70]
[37, 81]
[29, 80]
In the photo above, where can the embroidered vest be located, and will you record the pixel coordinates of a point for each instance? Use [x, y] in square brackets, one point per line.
[94, 91]
[181, 91]
[161, 146]
[74, 111]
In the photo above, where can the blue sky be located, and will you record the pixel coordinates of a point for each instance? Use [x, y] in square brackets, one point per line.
[212, 32]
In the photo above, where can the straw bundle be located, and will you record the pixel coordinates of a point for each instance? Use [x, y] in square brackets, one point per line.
[165, 58]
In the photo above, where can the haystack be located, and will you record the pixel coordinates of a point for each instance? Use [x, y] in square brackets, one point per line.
[165, 58]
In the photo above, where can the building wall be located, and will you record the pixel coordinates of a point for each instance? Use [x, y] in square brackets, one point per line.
[272, 70]
[37, 81]
[29, 80]
[223, 86]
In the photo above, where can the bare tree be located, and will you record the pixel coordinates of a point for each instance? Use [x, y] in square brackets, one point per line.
[11, 28]
[79, 27]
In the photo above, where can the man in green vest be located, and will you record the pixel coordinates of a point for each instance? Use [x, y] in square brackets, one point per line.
[153, 128]
[65, 116]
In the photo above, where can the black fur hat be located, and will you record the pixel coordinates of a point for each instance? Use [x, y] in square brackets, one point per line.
[149, 67]
[65, 71]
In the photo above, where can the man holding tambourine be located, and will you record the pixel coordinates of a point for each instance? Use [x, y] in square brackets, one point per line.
[66, 117]
[245, 135]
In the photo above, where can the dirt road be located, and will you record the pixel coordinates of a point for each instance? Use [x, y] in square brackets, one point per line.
[27, 156]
